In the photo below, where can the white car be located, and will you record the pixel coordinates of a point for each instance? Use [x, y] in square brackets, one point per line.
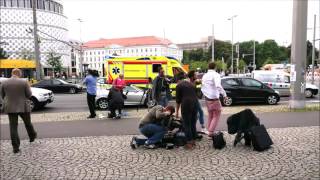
[135, 96]
[280, 81]
[40, 97]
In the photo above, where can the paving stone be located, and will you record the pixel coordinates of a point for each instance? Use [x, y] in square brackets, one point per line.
[294, 155]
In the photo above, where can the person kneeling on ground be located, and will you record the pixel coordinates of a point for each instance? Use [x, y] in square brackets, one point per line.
[116, 102]
[150, 126]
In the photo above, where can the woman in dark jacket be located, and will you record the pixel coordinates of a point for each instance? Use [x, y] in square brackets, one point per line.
[116, 102]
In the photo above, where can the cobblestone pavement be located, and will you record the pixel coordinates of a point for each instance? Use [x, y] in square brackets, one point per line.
[75, 116]
[295, 155]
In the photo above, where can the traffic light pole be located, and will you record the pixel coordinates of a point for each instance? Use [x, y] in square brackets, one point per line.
[298, 53]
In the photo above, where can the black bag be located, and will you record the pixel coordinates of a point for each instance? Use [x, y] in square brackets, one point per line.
[260, 138]
[218, 140]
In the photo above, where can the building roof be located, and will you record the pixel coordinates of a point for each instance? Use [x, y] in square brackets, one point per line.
[131, 41]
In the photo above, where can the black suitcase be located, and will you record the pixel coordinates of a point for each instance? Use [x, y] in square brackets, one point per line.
[218, 140]
[260, 138]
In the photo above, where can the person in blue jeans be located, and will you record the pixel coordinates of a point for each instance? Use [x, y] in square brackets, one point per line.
[150, 126]
[192, 78]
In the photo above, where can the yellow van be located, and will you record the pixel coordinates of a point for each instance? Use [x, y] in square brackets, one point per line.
[139, 70]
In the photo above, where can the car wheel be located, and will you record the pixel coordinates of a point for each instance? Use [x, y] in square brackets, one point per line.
[34, 104]
[272, 99]
[102, 103]
[308, 93]
[72, 90]
[227, 101]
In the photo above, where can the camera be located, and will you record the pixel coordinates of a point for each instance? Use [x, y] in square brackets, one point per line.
[171, 123]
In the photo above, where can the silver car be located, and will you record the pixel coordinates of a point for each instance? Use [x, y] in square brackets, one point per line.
[135, 96]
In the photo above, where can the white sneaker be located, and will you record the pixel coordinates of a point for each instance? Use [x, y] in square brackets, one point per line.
[205, 131]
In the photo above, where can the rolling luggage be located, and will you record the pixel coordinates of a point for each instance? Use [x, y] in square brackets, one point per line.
[260, 138]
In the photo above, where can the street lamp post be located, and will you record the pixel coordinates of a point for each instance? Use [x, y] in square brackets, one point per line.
[36, 42]
[81, 49]
[212, 42]
[232, 41]
[313, 48]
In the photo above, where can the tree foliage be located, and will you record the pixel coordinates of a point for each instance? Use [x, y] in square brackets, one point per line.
[3, 54]
[266, 52]
[55, 62]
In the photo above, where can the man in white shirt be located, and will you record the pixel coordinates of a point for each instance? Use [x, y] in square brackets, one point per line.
[211, 89]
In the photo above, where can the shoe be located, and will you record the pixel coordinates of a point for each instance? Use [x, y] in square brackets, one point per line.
[90, 117]
[110, 116]
[189, 146]
[118, 117]
[198, 137]
[133, 143]
[204, 131]
[33, 137]
[15, 151]
[150, 146]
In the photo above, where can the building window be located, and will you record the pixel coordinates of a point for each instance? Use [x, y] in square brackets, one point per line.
[40, 4]
[14, 3]
[146, 50]
[21, 3]
[51, 6]
[98, 52]
[141, 50]
[46, 5]
[150, 49]
[155, 49]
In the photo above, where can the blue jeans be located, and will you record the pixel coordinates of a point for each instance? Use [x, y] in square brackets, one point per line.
[163, 101]
[153, 132]
[200, 111]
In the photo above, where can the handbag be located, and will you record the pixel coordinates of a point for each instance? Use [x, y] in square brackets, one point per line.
[218, 140]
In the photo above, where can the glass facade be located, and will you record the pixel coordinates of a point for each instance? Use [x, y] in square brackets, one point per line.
[47, 5]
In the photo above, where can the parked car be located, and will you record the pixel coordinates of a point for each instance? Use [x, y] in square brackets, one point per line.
[39, 99]
[243, 89]
[58, 86]
[135, 96]
[280, 81]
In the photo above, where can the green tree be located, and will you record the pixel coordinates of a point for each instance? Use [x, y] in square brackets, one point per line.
[269, 61]
[242, 65]
[55, 62]
[198, 64]
[27, 54]
[221, 66]
[3, 54]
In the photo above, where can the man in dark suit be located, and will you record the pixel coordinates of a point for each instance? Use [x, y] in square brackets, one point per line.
[15, 93]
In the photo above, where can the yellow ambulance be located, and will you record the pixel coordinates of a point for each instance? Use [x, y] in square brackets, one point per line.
[139, 70]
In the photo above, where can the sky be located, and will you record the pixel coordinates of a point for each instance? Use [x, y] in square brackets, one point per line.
[184, 21]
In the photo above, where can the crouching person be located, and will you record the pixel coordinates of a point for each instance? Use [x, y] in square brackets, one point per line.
[151, 127]
[116, 102]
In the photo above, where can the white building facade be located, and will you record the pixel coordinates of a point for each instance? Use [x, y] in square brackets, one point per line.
[95, 52]
[16, 19]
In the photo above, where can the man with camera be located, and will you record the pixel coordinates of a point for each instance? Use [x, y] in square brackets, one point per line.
[161, 89]
[151, 126]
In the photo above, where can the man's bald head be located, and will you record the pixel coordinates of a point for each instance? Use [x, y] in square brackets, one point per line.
[16, 72]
